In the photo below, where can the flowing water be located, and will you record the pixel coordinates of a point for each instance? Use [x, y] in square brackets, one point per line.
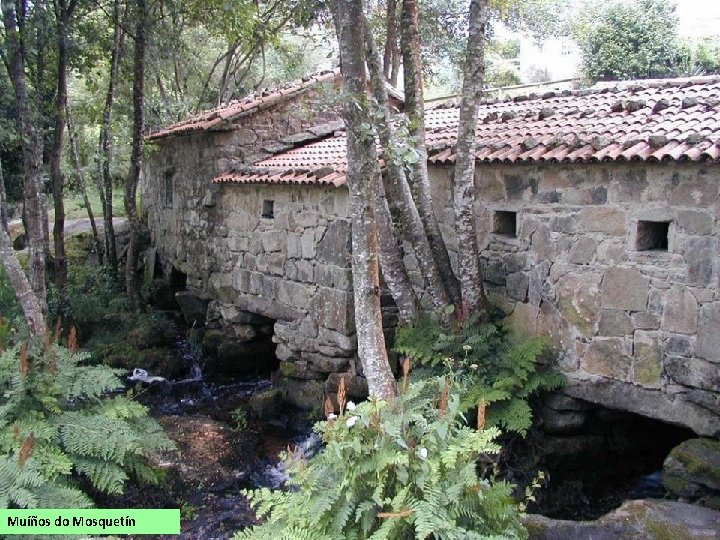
[221, 451]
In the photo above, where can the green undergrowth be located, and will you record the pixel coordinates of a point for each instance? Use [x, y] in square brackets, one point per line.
[63, 436]
[400, 470]
[490, 368]
[425, 465]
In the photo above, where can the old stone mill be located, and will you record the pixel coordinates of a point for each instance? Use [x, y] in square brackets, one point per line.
[598, 219]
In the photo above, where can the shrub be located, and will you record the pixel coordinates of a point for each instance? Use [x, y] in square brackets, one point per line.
[489, 368]
[399, 470]
[60, 431]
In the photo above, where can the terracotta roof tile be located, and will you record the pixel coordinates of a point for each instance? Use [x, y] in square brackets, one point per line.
[580, 126]
[221, 116]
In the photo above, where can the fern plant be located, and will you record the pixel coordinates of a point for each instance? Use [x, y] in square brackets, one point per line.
[492, 370]
[59, 430]
[395, 471]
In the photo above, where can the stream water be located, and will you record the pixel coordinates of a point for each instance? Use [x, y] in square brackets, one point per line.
[222, 453]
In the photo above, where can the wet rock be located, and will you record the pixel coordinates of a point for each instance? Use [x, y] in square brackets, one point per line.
[305, 395]
[634, 520]
[692, 471]
[266, 404]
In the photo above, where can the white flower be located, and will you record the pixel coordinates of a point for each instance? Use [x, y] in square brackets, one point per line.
[350, 422]
[473, 366]
[423, 453]
[331, 416]
[350, 406]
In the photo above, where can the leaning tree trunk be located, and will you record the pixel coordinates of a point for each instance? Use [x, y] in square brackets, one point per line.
[362, 177]
[402, 206]
[104, 178]
[419, 181]
[132, 279]
[83, 188]
[32, 152]
[473, 295]
[32, 309]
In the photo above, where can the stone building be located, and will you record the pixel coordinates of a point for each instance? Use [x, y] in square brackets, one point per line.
[598, 223]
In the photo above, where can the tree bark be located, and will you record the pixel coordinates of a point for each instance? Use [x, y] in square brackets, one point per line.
[63, 14]
[418, 178]
[83, 188]
[362, 176]
[32, 151]
[105, 182]
[402, 206]
[473, 295]
[32, 309]
[391, 56]
[132, 280]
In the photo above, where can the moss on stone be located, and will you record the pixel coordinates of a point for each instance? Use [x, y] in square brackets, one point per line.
[662, 530]
[687, 454]
[678, 486]
[288, 369]
[567, 308]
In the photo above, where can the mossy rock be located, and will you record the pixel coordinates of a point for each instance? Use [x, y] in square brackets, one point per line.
[153, 331]
[634, 520]
[157, 361]
[266, 404]
[692, 469]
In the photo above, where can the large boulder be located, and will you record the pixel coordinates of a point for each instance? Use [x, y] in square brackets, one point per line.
[634, 520]
[692, 471]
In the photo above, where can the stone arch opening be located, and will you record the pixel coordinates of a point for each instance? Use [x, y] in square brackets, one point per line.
[595, 458]
[238, 343]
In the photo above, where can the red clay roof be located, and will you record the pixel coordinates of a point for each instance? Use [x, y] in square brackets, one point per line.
[649, 121]
[220, 117]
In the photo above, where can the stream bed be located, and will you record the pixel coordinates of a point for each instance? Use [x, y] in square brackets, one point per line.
[223, 450]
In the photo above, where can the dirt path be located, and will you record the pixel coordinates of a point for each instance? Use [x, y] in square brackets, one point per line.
[73, 226]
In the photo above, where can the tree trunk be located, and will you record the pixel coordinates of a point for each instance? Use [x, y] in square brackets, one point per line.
[105, 186]
[56, 176]
[83, 188]
[4, 218]
[32, 150]
[391, 257]
[132, 280]
[29, 303]
[391, 56]
[473, 295]
[362, 176]
[419, 182]
[402, 206]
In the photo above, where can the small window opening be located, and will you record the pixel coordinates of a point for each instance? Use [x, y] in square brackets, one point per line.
[169, 189]
[268, 209]
[505, 223]
[652, 235]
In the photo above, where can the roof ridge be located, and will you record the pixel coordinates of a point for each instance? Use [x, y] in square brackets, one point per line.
[601, 87]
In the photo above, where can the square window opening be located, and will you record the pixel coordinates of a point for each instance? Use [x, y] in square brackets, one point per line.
[652, 235]
[268, 209]
[505, 223]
